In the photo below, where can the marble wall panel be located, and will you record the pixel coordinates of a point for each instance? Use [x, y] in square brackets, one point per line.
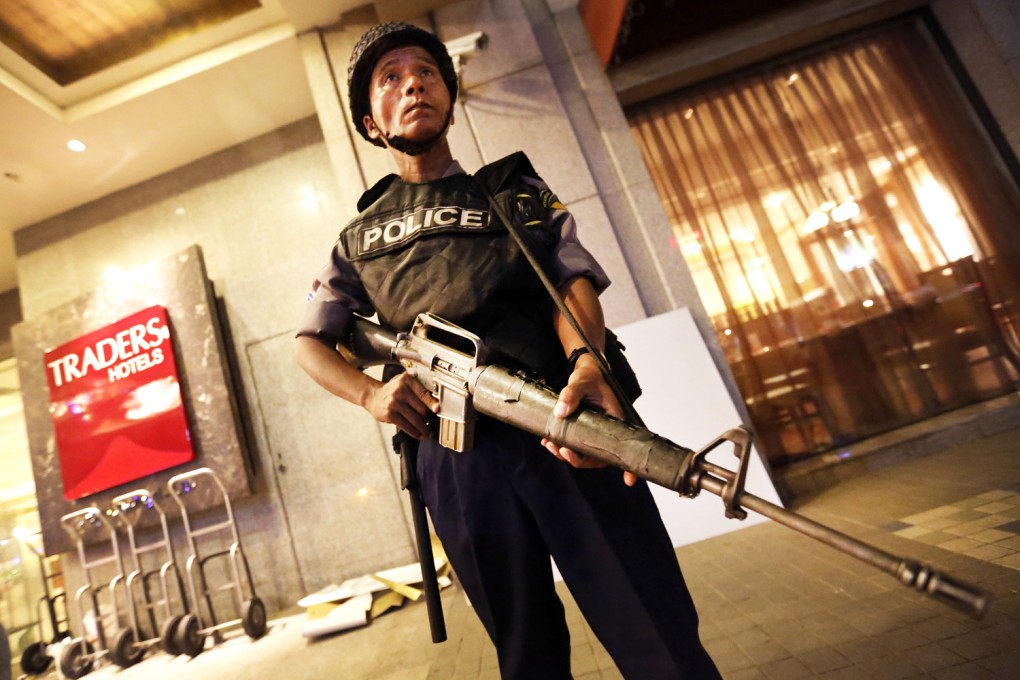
[523, 112]
[179, 284]
[343, 504]
[620, 302]
[10, 314]
[511, 48]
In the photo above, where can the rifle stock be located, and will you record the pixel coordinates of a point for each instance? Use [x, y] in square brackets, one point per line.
[528, 405]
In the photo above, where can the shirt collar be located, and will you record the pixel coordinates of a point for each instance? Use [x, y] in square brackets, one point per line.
[454, 169]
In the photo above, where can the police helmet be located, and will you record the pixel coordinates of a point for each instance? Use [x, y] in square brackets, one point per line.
[372, 46]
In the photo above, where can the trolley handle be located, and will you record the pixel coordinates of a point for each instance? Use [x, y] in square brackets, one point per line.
[75, 522]
[183, 483]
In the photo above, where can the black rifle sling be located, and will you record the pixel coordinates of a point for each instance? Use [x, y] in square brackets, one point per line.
[625, 403]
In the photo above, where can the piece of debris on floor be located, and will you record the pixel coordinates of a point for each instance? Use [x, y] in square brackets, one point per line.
[356, 601]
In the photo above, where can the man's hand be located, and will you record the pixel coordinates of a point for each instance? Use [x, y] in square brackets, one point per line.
[586, 385]
[404, 402]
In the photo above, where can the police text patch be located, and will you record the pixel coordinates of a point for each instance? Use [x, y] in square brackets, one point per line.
[375, 237]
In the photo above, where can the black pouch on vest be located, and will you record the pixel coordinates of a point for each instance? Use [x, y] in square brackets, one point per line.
[618, 365]
[621, 368]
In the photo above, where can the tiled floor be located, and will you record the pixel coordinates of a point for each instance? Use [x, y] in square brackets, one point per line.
[774, 604]
[985, 526]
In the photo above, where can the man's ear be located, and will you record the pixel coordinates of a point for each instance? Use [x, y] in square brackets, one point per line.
[370, 128]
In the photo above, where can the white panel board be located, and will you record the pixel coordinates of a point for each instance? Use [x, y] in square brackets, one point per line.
[684, 399]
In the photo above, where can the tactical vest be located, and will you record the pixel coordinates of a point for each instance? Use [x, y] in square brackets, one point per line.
[436, 247]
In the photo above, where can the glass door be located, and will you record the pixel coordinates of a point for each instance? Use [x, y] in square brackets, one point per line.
[851, 235]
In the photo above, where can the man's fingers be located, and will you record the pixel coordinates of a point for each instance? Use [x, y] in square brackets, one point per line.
[567, 403]
[412, 425]
[416, 395]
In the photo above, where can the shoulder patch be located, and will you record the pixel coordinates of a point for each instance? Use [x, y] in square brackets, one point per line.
[550, 202]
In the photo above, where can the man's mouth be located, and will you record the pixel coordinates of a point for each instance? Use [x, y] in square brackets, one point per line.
[420, 106]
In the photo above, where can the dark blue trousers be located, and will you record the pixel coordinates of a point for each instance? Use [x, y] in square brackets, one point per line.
[504, 507]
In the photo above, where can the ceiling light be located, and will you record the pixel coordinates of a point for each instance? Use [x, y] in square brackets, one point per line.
[846, 211]
[817, 220]
[76, 145]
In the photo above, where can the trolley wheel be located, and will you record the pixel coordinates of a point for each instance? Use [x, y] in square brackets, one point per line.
[125, 652]
[188, 635]
[76, 660]
[167, 637]
[253, 618]
[35, 660]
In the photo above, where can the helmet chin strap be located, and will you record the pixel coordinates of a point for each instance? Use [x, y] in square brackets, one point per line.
[404, 145]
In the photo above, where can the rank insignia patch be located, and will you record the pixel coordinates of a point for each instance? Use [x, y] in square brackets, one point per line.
[550, 201]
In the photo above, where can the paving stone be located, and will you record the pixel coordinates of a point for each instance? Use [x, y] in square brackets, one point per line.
[891, 667]
[992, 535]
[786, 669]
[990, 552]
[974, 645]
[903, 639]
[940, 628]
[583, 663]
[804, 643]
[824, 659]
[992, 508]
[750, 637]
[934, 538]
[1012, 543]
[727, 656]
[766, 652]
[849, 673]
[965, 671]
[932, 657]
[1004, 665]
[960, 544]
[734, 624]
[1011, 561]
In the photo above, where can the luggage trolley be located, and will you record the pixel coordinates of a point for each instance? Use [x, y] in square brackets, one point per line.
[79, 657]
[190, 633]
[35, 659]
[130, 643]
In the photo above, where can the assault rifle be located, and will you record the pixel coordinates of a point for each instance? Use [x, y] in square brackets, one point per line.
[450, 362]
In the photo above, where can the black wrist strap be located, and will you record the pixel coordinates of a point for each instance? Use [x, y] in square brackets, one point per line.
[574, 356]
[628, 408]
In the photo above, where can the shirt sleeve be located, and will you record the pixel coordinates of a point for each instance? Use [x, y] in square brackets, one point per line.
[570, 259]
[337, 293]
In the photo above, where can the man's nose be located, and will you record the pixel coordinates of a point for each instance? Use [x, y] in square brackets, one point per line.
[413, 84]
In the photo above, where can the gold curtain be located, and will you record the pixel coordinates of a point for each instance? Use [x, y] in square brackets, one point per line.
[852, 237]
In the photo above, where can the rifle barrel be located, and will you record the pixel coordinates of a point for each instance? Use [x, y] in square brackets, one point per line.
[529, 405]
[909, 572]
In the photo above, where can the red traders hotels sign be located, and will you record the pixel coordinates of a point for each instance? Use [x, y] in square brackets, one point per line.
[115, 400]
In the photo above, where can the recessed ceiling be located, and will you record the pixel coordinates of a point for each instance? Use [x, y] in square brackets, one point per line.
[148, 86]
[69, 41]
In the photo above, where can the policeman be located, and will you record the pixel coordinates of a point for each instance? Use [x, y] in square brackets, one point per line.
[425, 240]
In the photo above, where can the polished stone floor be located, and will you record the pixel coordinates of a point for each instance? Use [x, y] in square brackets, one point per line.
[774, 603]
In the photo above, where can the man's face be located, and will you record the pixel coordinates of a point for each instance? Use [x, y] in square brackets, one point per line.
[408, 96]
